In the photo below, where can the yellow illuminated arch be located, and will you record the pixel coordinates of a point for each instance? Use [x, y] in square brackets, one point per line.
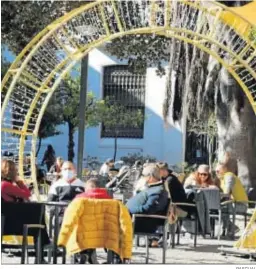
[40, 67]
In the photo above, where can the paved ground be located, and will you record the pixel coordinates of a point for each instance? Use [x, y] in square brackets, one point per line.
[206, 252]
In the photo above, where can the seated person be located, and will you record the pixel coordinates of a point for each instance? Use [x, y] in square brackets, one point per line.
[12, 188]
[67, 187]
[92, 190]
[152, 200]
[200, 179]
[105, 168]
[174, 188]
[233, 189]
[141, 184]
[56, 168]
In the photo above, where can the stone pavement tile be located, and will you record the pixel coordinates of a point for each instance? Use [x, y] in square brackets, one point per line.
[205, 253]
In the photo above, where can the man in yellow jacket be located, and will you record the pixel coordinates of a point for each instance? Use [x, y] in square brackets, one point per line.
[232, 187]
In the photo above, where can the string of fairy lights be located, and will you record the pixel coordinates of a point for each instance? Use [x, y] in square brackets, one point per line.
[46, 64]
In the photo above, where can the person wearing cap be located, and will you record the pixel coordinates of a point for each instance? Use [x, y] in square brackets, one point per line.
[154, 198]
[105, 168]
[200, 179]
[174, 188]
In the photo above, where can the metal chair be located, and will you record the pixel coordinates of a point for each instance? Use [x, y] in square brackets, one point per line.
[246, 214]
[193, 218]
[214, 206]
[234, 212]
[54, 231]
[80, 256]
[18, 220]
[157, 222]
[26, 228]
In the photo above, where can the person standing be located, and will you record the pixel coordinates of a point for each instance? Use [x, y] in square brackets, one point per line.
[49, 157]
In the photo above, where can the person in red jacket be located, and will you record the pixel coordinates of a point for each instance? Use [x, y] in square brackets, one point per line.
[12, 188]
[92, 190]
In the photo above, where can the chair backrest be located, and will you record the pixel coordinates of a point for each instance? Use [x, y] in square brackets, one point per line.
[18, 214]
[149, 225]
[102, 223]
[212, 197]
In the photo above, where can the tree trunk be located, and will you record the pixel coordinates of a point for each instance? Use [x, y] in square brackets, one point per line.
[237, 129]
[71, 144]
[39, 146]
[205, 86]
[115, 147]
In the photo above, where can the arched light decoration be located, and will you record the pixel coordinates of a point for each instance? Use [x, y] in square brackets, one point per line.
[40, 67]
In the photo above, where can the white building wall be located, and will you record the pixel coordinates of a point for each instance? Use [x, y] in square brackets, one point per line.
[163, 143]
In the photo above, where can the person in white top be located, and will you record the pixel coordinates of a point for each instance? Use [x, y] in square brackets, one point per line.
[67, 187]
[105, 168]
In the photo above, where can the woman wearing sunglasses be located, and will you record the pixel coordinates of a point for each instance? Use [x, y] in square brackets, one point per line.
[200, 179]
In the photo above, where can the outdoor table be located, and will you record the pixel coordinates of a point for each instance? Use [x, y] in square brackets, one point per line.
[56, 225]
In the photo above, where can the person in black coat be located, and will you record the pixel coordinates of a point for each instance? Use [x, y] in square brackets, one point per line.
[174, 187]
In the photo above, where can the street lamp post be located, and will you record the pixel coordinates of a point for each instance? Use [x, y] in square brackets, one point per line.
[82, 108]
[83, 30]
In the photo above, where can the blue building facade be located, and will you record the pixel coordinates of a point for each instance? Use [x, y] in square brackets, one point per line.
[162, 142]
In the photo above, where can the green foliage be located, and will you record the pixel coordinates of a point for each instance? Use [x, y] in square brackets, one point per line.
[50, 121]
[115, 116]
[199, 126]
[68, 96]
[142, 51]
[131, 158]
[22, 20]
[183, 168]
[96, 111]
[210, 128]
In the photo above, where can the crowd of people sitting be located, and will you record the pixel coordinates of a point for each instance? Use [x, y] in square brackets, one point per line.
[154, 190]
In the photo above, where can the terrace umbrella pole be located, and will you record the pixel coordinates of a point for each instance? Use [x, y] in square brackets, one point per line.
[82, 109]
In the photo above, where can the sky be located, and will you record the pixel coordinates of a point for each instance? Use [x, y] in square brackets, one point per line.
[10, 57]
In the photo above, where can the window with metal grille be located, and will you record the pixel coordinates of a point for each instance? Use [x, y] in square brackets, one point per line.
[127, 89]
